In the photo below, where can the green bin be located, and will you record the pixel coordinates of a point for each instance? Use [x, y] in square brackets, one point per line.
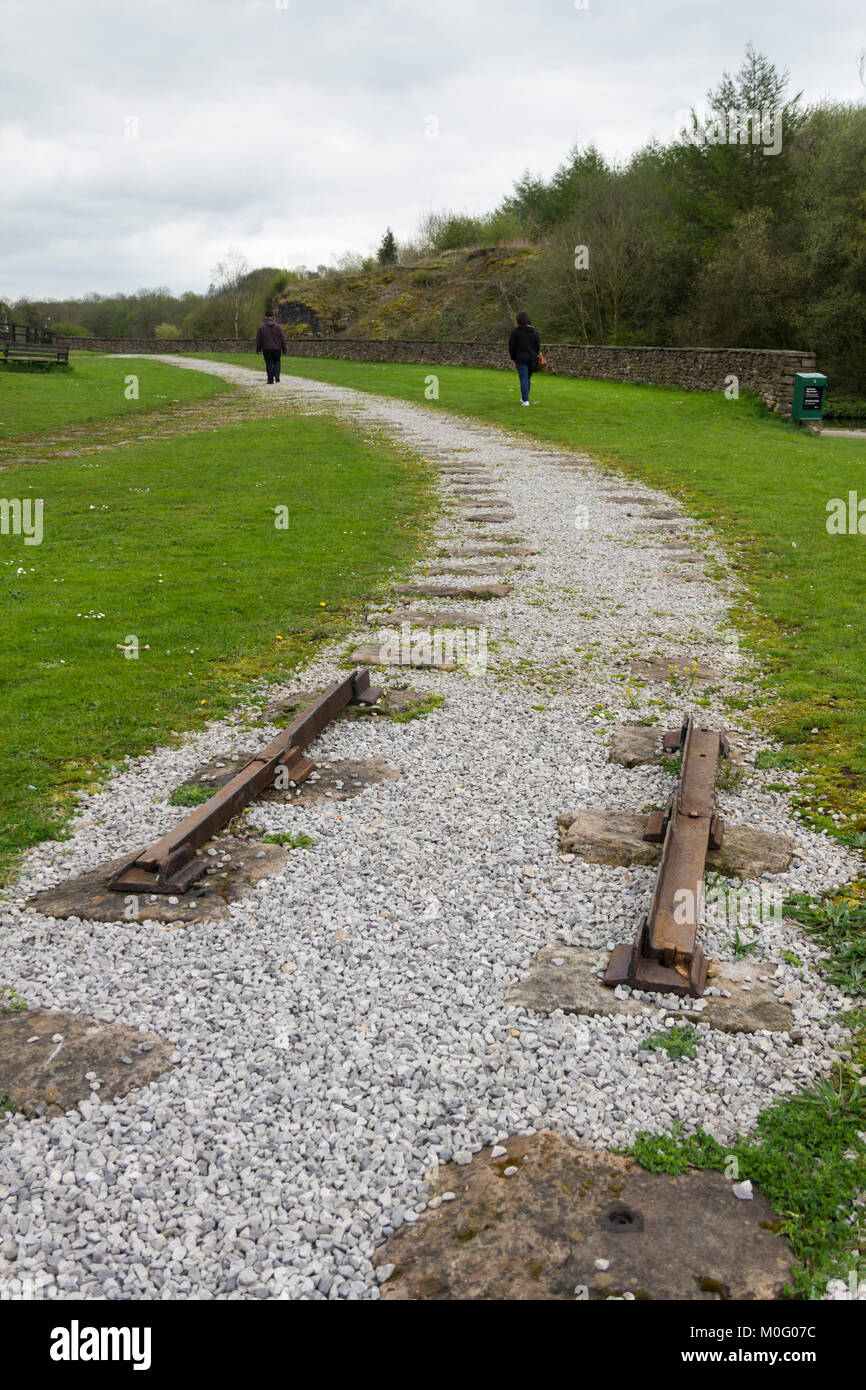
[810, 390]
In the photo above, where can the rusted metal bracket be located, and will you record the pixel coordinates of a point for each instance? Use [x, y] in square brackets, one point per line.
[170, 865]
[665, 956]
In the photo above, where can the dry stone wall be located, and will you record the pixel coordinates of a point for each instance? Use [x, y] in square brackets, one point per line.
[768, 371]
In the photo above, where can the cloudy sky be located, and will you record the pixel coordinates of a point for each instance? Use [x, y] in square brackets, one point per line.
[142, 139]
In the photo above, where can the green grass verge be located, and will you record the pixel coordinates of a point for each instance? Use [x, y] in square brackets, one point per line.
[763, 484]
[34, 402]
[174, 543]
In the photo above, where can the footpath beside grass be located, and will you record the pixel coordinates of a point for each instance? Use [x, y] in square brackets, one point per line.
[765, 486]
[762, 483]
[36, 401]
[174, 543]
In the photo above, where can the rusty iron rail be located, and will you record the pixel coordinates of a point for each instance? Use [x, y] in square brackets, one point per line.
[170, 865]
[665, 957]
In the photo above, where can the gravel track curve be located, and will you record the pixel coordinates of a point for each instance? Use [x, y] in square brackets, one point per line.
[310, 1101]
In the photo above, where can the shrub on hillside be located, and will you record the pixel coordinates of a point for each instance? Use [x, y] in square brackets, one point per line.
[71, 330]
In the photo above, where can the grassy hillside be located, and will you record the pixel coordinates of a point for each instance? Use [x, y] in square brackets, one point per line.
[468, 294]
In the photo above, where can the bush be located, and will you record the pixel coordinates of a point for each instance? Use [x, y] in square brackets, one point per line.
[166, 330]
[71, 330]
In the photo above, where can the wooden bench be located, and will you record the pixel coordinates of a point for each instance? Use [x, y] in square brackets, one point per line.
[33, 352]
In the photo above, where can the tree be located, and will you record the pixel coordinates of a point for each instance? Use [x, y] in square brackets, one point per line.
[727, 164]
[229, 277]
[747, 293]
[539, 207]
[70, 330]
[387, 252]
[449, 231]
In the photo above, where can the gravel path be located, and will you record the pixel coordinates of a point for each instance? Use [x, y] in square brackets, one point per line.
[346, 1031]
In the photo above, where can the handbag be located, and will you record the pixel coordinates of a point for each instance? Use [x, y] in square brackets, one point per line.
[541, 362]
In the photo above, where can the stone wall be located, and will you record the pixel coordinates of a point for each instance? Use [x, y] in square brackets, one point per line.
[768, 371]
[158, 344]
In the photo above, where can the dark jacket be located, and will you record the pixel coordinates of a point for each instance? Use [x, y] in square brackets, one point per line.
[270, 338]
[524, 345]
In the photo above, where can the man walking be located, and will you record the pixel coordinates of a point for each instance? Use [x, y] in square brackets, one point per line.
[270, 342]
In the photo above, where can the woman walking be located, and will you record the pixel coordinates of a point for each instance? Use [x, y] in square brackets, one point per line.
[524, 349]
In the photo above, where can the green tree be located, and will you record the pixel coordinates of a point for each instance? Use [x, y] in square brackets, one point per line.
[387, 253]
[65, 329]
[747, 294]
[727, 163]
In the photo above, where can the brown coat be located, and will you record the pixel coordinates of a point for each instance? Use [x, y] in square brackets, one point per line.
[270, 338]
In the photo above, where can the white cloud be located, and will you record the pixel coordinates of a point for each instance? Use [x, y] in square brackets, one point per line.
[297, 133]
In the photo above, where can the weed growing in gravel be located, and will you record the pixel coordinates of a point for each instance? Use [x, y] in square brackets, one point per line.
[677, 1042]
[841, 927]
[682, 678]
[675, 1152]
[730, 776]
[808, 1158]
[423, 708]
[6, 1106]
[190, 794]
[299, 841]
[10, 1000]
[740, 947]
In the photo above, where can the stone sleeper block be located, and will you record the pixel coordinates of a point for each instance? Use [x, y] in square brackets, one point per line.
[565, 977]
[616, 837]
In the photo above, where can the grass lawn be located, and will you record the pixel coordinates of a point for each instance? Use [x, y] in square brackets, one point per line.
[762, 483]
[36, 401]
[175, 543]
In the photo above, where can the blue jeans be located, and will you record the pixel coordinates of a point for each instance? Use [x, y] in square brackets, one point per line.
[524, 371]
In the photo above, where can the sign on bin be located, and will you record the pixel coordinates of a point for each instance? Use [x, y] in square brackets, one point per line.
[810, 389]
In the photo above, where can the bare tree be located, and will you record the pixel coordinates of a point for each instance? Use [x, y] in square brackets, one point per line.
[229, 276]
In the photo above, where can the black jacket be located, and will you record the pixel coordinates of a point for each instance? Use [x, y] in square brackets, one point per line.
[524, 345]
[270, 338]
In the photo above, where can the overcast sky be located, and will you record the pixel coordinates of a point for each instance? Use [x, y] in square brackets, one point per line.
[142, 139]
